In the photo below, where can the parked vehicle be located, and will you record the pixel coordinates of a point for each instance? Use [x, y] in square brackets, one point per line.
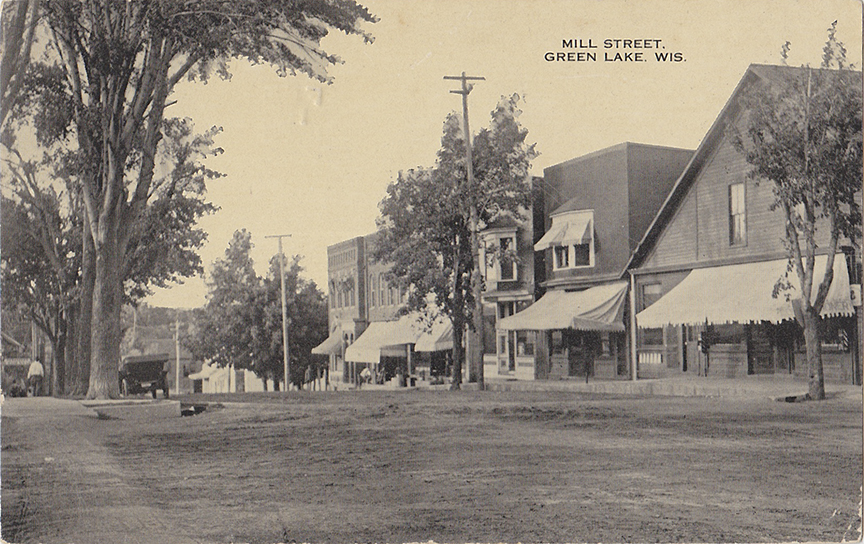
[143, 373]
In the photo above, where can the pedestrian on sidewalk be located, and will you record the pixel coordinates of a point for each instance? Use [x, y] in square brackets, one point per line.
[35, 374]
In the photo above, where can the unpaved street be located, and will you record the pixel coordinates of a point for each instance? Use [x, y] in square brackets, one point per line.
[453, 467]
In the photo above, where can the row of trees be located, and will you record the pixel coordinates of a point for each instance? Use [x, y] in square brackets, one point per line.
[241, 324]
[91, 80]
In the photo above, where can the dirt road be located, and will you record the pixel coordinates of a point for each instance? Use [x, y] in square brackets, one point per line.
[453, 467]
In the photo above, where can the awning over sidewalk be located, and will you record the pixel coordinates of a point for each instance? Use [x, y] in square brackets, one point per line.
[743, 293]
[206, 371]
[599, 308]
[439, 338]
[566, 230]
[383, 334]
[330, 345]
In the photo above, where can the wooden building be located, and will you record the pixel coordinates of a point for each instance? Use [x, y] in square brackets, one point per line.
[596, 207]
[707, 267]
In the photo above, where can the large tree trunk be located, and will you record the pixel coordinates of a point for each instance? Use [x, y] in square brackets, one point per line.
[458, 354]
[80, 381]
[816, 376]
[71, 349]
[59, 367]
[107, 302]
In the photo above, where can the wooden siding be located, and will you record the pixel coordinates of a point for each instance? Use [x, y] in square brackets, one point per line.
[706, 207]
[678, 242]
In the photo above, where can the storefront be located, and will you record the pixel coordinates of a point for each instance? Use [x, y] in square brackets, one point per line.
[570, 334]
[725, 321]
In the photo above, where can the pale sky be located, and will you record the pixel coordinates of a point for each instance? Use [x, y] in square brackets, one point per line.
[314, 161]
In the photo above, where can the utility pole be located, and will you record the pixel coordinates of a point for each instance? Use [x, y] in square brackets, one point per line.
[475, 367]
[177, 351]
[284, 304]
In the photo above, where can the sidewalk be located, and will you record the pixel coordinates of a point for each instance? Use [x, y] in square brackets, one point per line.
[62, 484]
[773, 387]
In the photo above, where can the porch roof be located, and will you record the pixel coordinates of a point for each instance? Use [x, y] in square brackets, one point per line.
[742, 293]
[598, 308]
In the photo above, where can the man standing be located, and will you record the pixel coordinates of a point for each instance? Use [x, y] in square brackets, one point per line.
[34, 377]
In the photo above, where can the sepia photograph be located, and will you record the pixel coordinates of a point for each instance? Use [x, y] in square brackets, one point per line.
[289, 271]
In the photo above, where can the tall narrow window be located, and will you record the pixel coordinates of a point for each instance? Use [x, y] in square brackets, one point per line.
[372, 291]
[381, 288]
[562, 256]
[737, 215]
[508, 264]
[651, 293]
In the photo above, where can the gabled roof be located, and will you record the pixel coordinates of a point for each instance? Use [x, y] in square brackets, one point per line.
[754, 73]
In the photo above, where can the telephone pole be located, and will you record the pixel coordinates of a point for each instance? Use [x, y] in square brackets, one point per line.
[284, 304]
[177, 351]
[475, 367]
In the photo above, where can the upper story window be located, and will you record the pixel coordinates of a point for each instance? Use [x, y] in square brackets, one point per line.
[372, 291]
[562, 256]
[381, 288]
[737, 215]
[500, 256]
[571, 238]
[506, 260]
[651, 293]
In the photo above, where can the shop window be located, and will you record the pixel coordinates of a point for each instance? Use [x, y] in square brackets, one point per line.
[524, 343]
[605, 347]
[834, 335]
[737, 215]
[652, 337]
[556, 343]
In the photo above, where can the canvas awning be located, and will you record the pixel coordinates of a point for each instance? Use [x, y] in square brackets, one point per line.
[742, 293]
[331, 345]
[206, 371]
[380, 335]
[439, 338]
[599, 308]
[565, 231]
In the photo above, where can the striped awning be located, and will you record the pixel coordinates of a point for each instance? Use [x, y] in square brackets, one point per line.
[599, 308]
[438, 338]
[742, 293]
[330, 345]
[566, 230]
[381, 335]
